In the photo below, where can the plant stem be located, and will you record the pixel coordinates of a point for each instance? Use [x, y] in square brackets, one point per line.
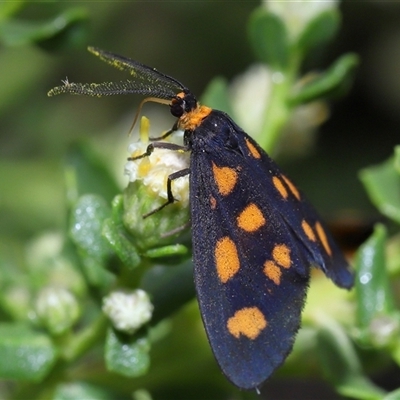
[84, 340]
[278, 110]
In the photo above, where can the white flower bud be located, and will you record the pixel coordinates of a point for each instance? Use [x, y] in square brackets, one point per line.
[128, 311]
[57, 309]
[297, 14]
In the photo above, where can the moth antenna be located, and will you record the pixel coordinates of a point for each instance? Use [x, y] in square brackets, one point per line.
[154, 100]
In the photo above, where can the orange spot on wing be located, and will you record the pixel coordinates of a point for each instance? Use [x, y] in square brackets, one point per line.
[308, 230]
[248, 321]
[226, 259]
[292, 188]
[253, 149]
[323, 238]
[281, 255]
[251, 218]
[225, 178]
[273, 272]
[280, 187]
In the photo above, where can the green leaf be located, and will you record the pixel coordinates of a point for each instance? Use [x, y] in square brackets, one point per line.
[87, 173]
[167, 251]
[86, 226]
[269, 39]
[127, 355]
[66, 28]
[395, 395]
[216, 95]
[116, 235]
[333, 82]
[393, 255]
[81, 390]
[373, 291]
[382, 183]
[376, 318]
[340, 363]
[9, 8]
[320, 30]
[24, 353]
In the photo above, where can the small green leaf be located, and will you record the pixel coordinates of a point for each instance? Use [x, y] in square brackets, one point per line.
[341, 365]
[87, 173]
[167, 251]
[372, 283]
[128, 356]
[320, 30]
[116, 235]
[374, 296]
[87, 219]
[25, 354]
[333, 82]
[269, 38]
[393, 255]
[216, 95]
[382, 183]
[66, 27]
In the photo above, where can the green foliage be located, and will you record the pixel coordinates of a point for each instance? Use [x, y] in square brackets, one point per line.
[341, 365]
[335, 81]
[268, 36]
[128, 356]
[374, 291]
[63, 30]
[106, 245]
[26, 355]
[383, 185]
[320, 30]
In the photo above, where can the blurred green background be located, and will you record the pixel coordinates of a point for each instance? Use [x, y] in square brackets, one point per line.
[194, 42]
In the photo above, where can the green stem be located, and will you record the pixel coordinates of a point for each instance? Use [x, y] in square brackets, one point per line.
[278, 111]
[85, 340]
[74, 349]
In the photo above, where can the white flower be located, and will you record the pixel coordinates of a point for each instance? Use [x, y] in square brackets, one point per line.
[298, 13]
[128, 311]
[250, 94]
[154, 170]
[57, 309]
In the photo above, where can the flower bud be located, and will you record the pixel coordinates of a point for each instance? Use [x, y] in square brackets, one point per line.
[147, 191]
[128, 311]
[57, 309]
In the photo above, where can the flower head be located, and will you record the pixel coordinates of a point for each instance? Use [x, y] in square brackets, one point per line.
[297, 14]
[147, 191]
[128, 311]
[57, 309]
[153, 171]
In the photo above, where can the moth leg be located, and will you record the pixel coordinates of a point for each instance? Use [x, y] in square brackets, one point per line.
[165, 134]
[176, 230]
[170, 198]
[158, 145]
